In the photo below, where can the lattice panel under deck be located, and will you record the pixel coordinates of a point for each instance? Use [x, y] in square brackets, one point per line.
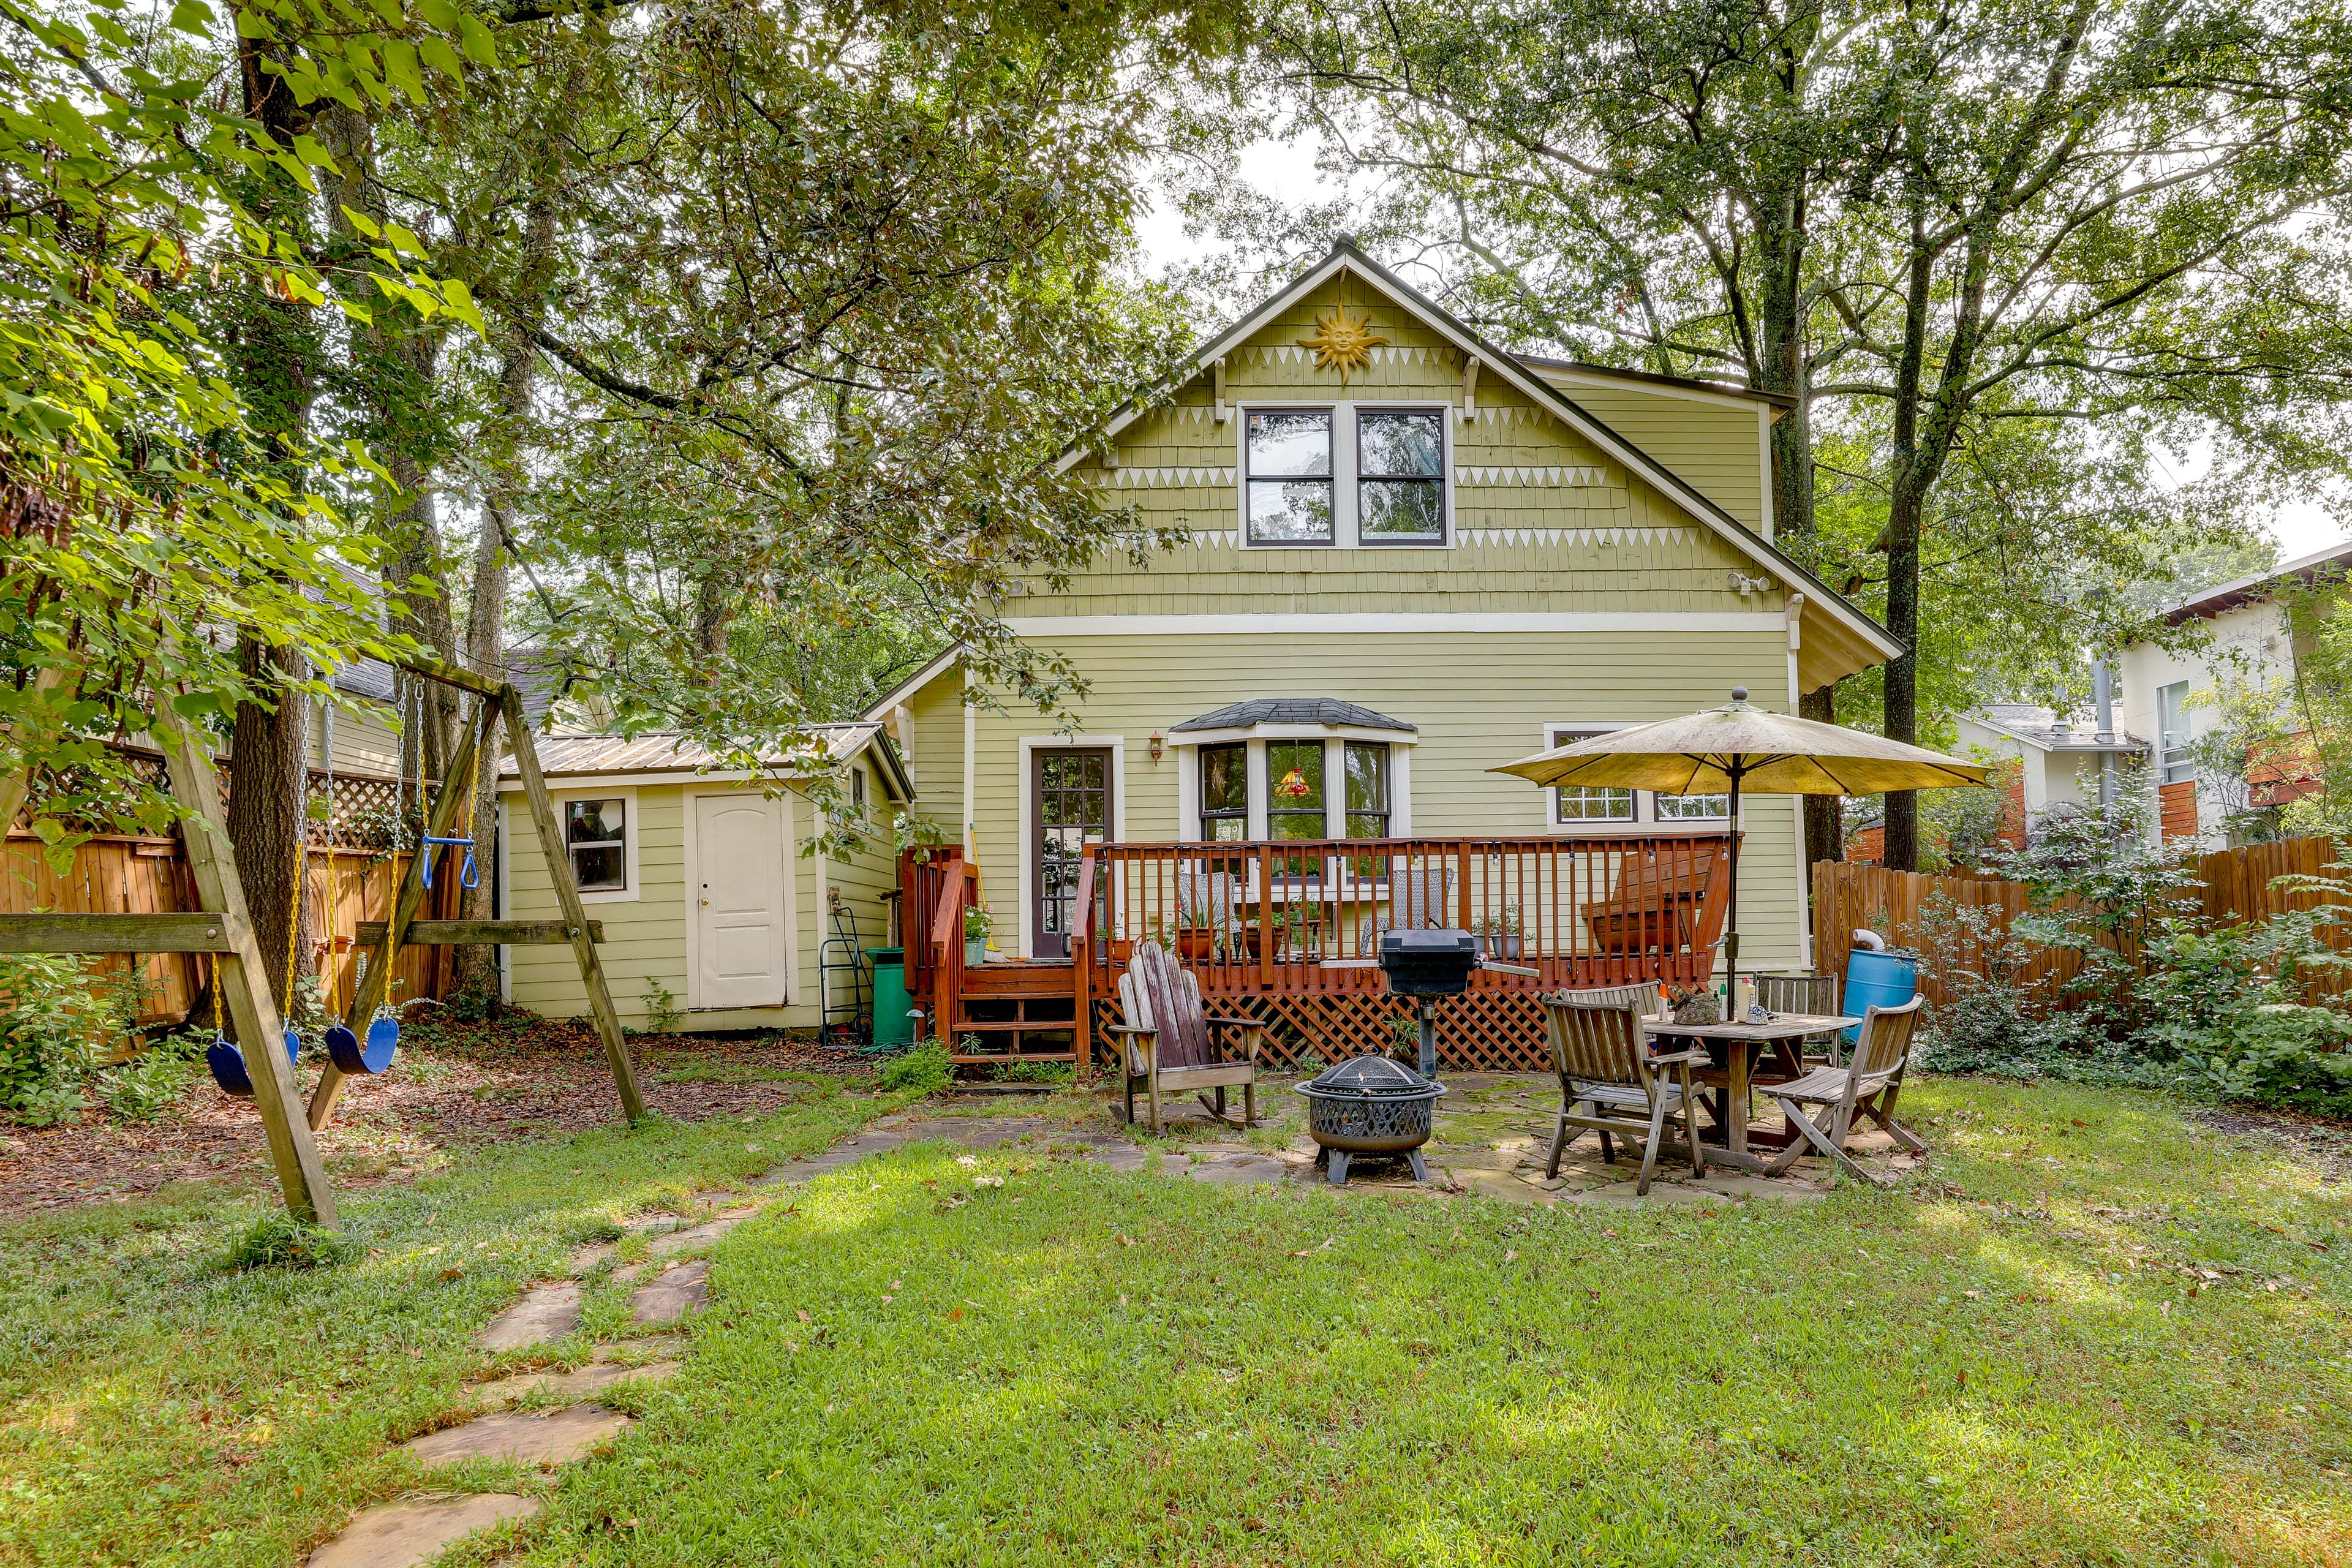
[1485, 1031]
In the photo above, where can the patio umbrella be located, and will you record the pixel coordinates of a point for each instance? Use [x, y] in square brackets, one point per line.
[1742, 747]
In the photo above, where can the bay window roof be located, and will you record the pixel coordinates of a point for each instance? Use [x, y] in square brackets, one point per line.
[1295, 713]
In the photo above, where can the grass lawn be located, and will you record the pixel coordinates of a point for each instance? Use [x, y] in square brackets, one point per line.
[2092, 1334]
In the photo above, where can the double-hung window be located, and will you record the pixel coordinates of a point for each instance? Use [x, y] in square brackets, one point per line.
[595, 834]
[1400, 476]
[1368, 790]
[1289, 476]
[1224, 794]
[1583, 807]
[2173, 722]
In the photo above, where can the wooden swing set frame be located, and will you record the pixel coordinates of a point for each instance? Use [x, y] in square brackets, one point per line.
[223, 926]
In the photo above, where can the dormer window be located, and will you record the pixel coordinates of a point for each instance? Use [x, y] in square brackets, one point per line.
[1400, 476]
[1346, 475]
[1289, 481]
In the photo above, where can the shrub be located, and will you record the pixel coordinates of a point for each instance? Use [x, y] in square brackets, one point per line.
[927, 1069]
[151, 1083]
[60, 1019]
[2280, 1053]
[278, 1240]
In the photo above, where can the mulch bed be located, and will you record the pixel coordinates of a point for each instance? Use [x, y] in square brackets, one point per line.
[2324, 1141]
[452, 1085]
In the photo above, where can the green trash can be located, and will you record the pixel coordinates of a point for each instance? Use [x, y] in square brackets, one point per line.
[892, 1026]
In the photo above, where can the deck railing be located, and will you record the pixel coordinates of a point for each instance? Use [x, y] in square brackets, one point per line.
[1300, 918]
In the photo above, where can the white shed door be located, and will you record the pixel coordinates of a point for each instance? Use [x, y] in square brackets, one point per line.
[738, 850]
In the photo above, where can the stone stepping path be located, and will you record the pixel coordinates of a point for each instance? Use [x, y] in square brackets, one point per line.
[545, 1313]
[405, 1534]
[679, 1241]
[671, 1294]
[557, 1438]
[581, 1382]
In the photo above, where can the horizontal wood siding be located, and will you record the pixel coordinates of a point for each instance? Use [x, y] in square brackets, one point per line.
[645, 937]
[1479, 699]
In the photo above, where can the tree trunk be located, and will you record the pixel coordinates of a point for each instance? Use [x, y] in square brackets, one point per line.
[269, 774]
[1824, 817]
[275, 347]
[1906, 500]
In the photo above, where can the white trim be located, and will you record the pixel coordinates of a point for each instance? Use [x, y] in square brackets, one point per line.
[906, 689]
[1729, 397]
[1400, 791]
[1676, 489]
[1335, 787]
[1347, 519]
[690, 875]
[631, 830]
[1668, 622]
[502, 954]
[1029, 746]
[1764, 474]
[1255, 779]
[971, 768]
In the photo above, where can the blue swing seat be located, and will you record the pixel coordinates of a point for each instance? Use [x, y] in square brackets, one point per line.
[228, 1066]
[354, 1057]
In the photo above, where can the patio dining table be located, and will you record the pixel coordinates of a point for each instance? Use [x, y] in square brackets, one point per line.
[1745, 1039]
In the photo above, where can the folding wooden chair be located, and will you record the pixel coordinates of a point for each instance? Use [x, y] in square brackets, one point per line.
[1601, 1049]
[1805, 992]
[1867, 1085]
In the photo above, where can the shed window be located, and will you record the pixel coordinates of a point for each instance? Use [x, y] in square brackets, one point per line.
[1401, 476]
[595, 832]
[2173, 722]
[1290, 476]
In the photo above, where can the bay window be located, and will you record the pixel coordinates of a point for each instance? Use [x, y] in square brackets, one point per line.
[1224, 794]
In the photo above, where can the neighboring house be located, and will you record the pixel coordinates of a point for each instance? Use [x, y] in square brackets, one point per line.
[1412, 557]
[2172, 697]
[2060, 760]
[700, 877]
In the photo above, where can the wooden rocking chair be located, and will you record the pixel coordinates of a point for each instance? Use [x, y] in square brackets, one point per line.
[1866, 1085]
[1167, 1042]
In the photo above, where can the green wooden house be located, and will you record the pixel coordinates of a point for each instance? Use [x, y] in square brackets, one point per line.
[1412, 556]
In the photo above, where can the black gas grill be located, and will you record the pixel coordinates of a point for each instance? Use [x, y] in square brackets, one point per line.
[1427, 964]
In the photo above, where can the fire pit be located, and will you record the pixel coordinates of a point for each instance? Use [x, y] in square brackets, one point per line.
[1369, 1105]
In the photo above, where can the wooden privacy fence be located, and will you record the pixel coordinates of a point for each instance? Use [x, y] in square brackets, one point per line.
[127, 874]
[2234, 887]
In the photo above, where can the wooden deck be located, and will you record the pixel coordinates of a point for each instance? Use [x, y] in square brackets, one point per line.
[1283, 931]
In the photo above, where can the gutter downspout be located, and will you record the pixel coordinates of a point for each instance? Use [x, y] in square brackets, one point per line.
[2103, 695]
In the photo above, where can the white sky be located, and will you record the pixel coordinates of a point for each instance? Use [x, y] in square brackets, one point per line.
[1286, 171]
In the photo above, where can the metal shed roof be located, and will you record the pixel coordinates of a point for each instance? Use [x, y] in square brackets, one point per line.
[592, 756]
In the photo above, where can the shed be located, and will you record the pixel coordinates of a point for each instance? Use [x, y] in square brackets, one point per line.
[714, 900]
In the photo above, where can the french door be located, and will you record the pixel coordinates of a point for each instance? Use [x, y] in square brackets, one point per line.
[1070, 803]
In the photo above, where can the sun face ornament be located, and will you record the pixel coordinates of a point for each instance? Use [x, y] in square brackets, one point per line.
[1343, 342]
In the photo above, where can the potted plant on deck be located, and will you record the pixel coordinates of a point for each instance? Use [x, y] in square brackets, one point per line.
[977, 923]
[1500, 934]
[1196, 935]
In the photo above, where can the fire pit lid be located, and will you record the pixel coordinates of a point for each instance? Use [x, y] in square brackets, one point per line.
[1369, 1075]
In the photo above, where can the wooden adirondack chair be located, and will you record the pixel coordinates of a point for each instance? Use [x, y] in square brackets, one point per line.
[1867, 1085]
[1169, 1042]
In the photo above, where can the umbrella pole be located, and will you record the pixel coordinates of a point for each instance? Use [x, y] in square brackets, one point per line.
[1731, 912]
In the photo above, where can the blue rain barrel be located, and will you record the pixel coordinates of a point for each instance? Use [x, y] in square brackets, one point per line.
[1885, 979]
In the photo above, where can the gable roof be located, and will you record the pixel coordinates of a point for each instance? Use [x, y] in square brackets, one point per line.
[2045, 730]
[1345, 257]
[1328, 711]
[2304, 569]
